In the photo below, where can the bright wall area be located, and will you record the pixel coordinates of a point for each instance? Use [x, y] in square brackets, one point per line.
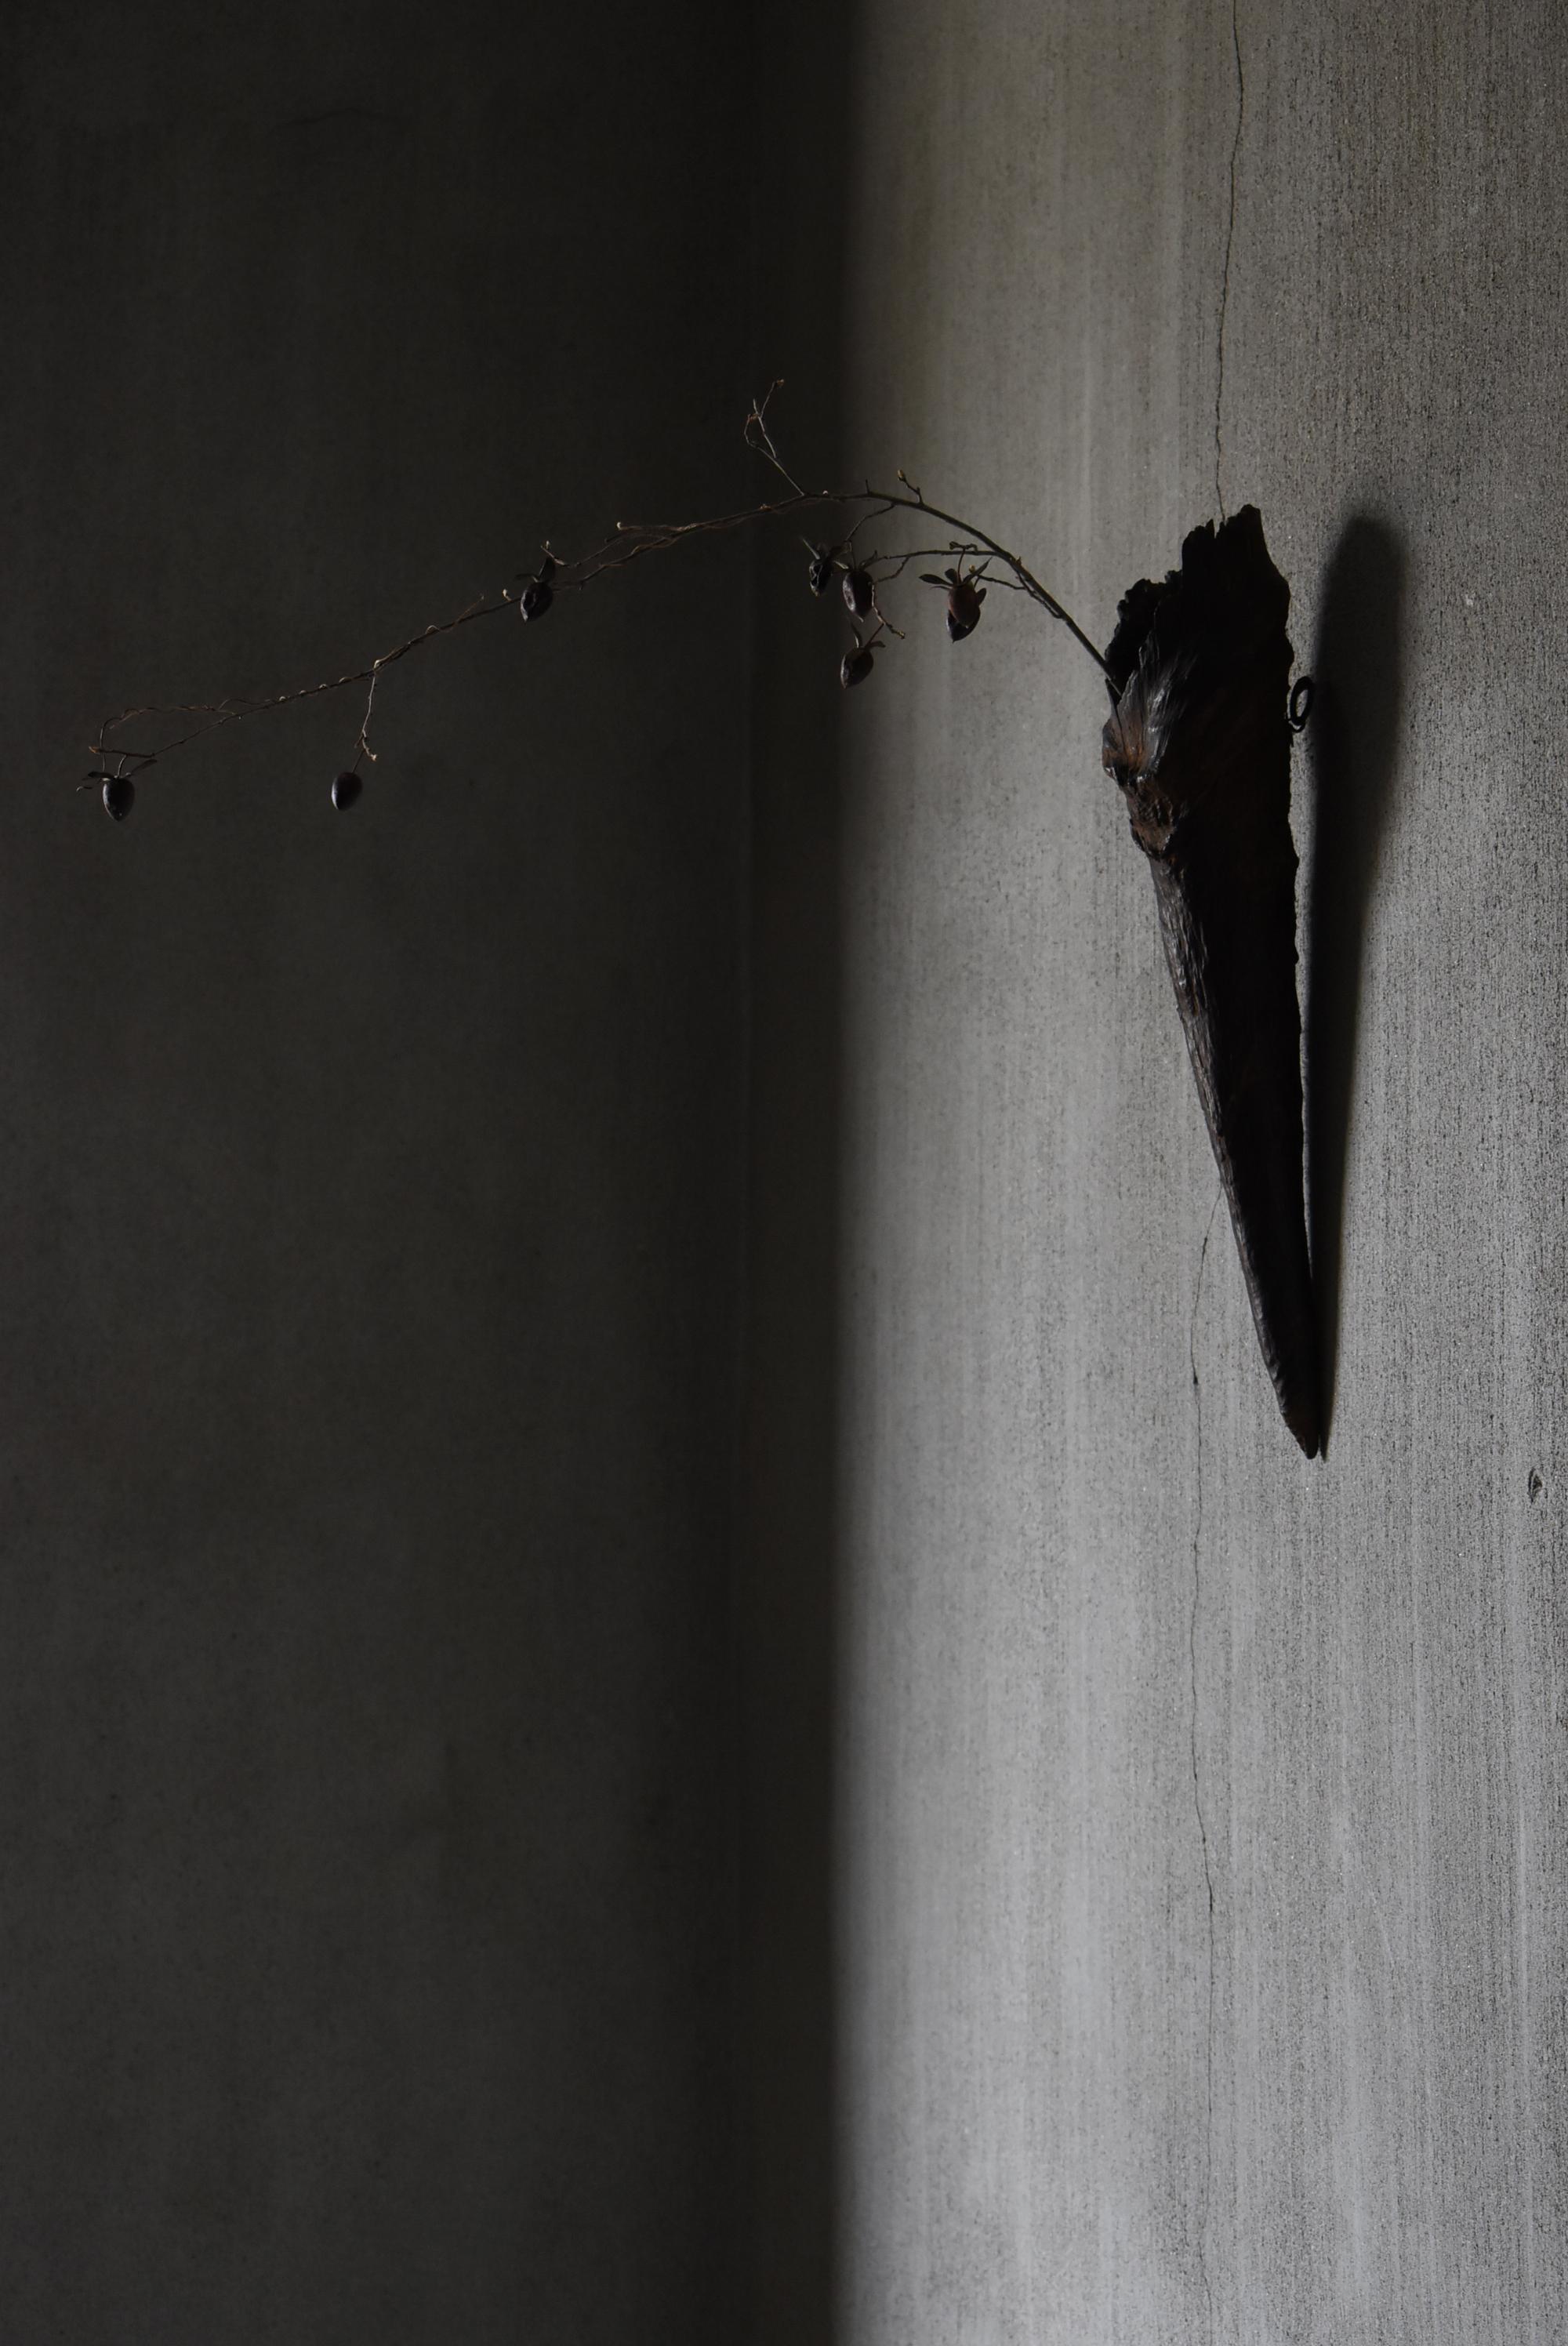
[1201, 1868]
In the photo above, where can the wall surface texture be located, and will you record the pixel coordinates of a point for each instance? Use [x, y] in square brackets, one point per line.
[1049, 1867]
[371, 1184]
[1202, 1869]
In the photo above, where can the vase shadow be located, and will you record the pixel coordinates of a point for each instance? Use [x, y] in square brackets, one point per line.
[1359, 669]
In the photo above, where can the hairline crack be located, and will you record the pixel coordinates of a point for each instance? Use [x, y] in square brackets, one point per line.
[1196, 1777]
[1225, 276]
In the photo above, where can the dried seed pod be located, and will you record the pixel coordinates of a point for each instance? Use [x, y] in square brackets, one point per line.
[547, 569]
[536, 597]
[856, 666]
[963, 602]
[819, 577]
[963, 611]
[859, 591]
[120, 796]
[964, 597]
[1199, 746]
[346, 789]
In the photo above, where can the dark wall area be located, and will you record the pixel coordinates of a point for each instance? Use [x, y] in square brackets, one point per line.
[372, 1184]
[788, 1579]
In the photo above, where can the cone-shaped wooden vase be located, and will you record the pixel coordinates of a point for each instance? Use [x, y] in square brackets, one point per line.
[1199, 745]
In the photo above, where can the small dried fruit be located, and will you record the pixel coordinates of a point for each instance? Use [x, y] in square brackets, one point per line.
[538, 595]
[856, 666]
[963, 603]
[964, 597]
[346, 789]
[120, 796]
[859, 591]
[819, 577]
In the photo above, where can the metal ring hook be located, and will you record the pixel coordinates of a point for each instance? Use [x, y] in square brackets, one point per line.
[1303, 692]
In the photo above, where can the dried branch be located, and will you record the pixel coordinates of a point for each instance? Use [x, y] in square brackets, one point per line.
[631, 541]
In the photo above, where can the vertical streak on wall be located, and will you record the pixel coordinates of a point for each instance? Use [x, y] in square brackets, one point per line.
[789, 1570]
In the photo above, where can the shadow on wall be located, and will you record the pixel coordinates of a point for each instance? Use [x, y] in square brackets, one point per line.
[1358, 664]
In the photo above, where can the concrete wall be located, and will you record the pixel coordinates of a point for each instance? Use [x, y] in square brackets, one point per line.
[1201, 1868]
[371, 1184]
[1060, 1868]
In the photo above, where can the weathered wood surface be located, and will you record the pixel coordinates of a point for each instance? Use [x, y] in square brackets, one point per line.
[1199, 744]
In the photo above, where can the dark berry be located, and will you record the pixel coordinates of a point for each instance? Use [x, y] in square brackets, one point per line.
[537, 598]
[120, 796]
[346, 789]
[855, 666]
[963, 602]
[858, 591]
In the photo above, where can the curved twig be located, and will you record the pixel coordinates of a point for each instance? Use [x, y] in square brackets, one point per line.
[629, 542]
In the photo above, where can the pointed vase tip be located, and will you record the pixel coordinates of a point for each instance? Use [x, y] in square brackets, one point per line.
[1301, 1417]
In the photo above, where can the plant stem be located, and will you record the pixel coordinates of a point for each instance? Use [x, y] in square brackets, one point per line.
[629, 542]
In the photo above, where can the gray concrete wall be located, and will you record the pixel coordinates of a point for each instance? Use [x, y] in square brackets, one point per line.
[372, 1185]
[1201, 1865]
[1065, 1869]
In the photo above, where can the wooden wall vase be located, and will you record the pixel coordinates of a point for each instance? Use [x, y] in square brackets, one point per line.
[1199, 746]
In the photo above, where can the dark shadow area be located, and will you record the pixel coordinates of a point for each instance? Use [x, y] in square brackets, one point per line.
[786, 1674]
[374, 1183]
[1357, 665]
